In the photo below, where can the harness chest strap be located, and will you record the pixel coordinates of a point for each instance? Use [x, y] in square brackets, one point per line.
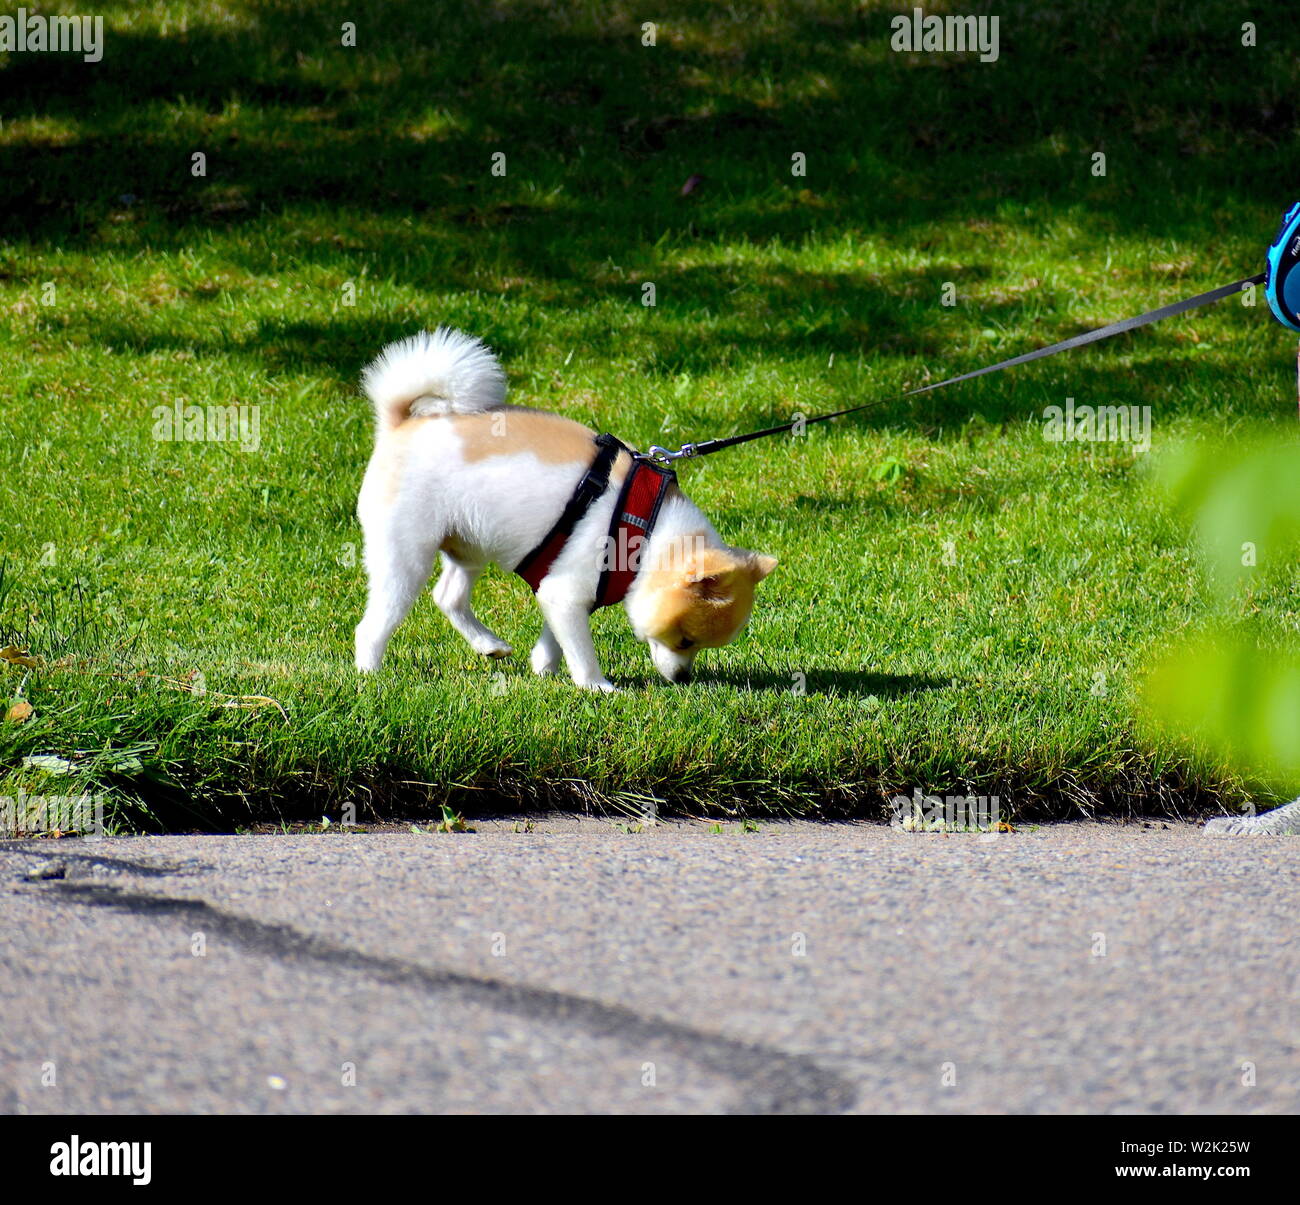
[630, 526]
[633, 519]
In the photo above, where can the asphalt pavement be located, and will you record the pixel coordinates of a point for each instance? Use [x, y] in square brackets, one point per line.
[582, 967]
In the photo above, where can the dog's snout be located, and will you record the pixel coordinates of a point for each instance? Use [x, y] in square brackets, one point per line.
[673, 666]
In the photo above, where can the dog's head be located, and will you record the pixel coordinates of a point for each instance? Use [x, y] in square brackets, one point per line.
[698, 600]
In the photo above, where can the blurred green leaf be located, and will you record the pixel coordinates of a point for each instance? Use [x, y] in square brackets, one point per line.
[888, 470]
[1239, 697]
[1229, 687]
[1242, 500]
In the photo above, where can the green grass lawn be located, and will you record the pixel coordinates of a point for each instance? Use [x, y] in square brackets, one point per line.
[961, 605]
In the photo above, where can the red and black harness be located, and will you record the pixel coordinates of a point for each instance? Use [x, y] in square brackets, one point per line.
[633, 520]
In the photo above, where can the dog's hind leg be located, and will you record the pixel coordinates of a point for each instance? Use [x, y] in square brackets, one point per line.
[397, 575]
[452, 594]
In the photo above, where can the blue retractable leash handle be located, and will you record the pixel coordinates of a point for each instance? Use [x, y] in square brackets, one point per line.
[1282, 271]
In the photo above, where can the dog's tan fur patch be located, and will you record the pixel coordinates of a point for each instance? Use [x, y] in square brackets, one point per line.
[552, 438]
[390, 459]
[453, 547]
[707, 600]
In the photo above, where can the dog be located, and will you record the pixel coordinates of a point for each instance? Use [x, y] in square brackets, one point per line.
[457, 471]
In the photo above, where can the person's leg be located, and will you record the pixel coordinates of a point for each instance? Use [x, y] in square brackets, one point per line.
[1280, 822]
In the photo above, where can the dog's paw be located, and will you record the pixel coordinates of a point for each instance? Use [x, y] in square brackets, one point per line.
[367, 651]
[487, 647]
[600, 686]
[367, 660]
[543, 665]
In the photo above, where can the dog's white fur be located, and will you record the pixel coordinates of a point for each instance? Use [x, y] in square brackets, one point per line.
[423, 492]
[441, 373]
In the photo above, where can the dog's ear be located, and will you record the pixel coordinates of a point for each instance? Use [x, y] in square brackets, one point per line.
[760, 565]
[712, 573]
[711, 585]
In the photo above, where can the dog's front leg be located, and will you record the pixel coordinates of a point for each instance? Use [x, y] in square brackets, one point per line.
[570, 625]
[546, 654]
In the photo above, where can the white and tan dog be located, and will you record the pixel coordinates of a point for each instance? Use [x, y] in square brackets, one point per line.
[455, 470]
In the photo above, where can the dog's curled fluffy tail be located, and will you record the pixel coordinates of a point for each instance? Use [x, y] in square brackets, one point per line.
[446, 372]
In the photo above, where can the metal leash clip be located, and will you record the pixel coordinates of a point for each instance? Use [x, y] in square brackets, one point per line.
[664, 456]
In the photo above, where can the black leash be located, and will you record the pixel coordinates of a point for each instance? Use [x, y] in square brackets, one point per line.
[708, 447]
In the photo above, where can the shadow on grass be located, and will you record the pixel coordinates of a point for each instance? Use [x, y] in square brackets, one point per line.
[378, 157]
[600, 130]
[1147, 368]
[859, 683]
